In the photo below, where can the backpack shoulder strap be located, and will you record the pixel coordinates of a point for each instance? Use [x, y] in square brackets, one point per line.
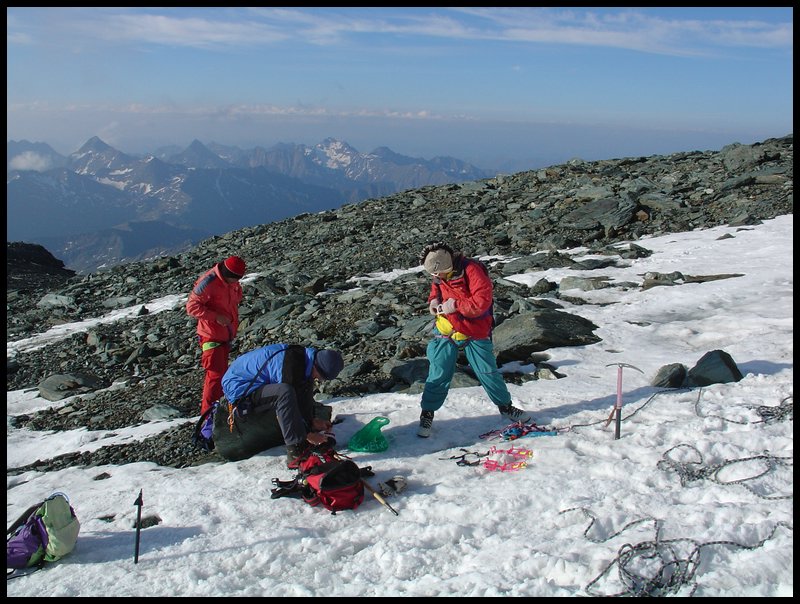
[21, 572]
[255, 377]
[480, 263]
[233, 405]
[23, 518]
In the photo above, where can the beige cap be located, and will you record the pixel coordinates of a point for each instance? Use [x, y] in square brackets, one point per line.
[438, 261]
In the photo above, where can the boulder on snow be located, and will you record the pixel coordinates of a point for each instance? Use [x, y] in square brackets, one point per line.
[715, 367]
[670, 376]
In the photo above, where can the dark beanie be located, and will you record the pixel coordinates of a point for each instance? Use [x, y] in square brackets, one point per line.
[329, 363]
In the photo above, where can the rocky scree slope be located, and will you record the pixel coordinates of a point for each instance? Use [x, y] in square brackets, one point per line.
[313, 284]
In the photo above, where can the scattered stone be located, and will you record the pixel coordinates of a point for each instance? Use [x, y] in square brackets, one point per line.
[316, 286]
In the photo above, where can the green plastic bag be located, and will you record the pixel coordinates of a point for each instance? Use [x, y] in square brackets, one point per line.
[369, 438]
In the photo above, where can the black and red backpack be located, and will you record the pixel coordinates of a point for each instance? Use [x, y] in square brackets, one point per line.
[325, 478]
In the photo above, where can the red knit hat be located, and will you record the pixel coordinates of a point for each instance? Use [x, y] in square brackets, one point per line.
[235, 265]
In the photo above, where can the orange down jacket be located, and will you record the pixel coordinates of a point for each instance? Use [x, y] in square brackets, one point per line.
[212, 296]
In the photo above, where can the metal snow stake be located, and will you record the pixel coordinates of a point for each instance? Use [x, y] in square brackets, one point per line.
[618, 407]
[138, 503]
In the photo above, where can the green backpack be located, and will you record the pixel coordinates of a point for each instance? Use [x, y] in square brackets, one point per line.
[46, 532]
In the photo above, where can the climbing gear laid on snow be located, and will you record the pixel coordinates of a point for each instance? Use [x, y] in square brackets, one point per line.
[519, 430]
[506, 460]
[617, 409]
[138, 503]
[661, 567]
[379, 497]
[784, 410]
[461, 460]
[509, 460]
[393, 486]
[689, 471]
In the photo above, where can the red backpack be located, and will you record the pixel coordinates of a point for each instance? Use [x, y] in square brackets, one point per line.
[325, 478]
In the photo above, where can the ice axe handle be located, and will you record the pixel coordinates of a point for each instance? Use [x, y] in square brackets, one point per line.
[617, 409]
[138, 503]
[379, 497]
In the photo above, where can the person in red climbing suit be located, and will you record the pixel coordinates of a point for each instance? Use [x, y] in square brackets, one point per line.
[214, 302]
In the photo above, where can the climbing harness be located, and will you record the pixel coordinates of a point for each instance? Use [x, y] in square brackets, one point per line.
[519, 459]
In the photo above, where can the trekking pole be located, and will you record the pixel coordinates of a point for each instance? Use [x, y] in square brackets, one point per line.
[378, 496]
[618, 407]
[138, 503]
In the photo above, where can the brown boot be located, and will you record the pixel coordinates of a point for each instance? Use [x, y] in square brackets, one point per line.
[294, 453]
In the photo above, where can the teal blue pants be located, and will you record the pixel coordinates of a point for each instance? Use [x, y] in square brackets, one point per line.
[442, 356]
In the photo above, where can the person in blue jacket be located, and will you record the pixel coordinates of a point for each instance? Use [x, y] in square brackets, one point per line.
[281, 377]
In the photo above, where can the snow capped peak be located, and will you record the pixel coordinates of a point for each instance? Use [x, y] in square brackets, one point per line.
[334, 154]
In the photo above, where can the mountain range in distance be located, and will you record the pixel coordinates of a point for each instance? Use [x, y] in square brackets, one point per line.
[99, 207]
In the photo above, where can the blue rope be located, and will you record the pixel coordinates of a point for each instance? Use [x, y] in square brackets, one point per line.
[520, 430]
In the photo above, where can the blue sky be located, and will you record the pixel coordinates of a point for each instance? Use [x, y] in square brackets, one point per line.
[540, 85]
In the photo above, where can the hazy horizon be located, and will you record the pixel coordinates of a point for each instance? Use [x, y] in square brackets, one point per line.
[496, 87]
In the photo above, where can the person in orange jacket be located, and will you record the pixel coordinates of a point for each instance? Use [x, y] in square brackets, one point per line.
[214, 302]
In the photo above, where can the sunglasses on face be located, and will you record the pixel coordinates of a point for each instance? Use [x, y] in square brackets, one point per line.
[445, 276]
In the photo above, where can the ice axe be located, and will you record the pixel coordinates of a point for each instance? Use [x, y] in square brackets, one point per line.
[379, 497]
[138, 503]
[618, 407]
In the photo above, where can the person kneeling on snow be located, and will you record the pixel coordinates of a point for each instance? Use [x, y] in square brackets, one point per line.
[280, 378]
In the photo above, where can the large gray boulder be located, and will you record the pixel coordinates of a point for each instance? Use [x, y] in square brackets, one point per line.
[519, 336]
[714, 367]
[58, 386]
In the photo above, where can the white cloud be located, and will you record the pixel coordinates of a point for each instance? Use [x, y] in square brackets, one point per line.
[29, 160]
[642, 30]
